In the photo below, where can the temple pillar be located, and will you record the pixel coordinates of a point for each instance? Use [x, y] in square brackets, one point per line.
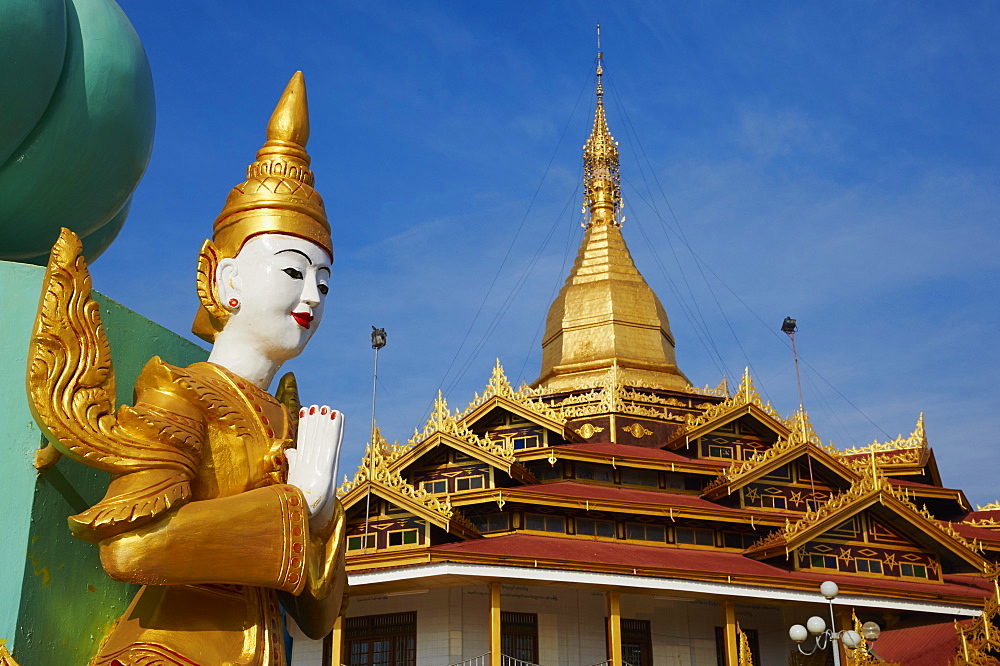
[337, 642]
[494, 624]
[615, 627]
[729, 632]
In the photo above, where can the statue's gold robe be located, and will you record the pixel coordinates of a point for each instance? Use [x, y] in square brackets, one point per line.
[215, 541]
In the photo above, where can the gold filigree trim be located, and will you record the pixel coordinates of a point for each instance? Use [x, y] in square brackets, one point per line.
[981, 638]
[743, 645]
[745, 395]
[588, 430]
[636, 430]
[992, 506]
[610, 394]
[499, 386]
[720, 391]
[913, 445]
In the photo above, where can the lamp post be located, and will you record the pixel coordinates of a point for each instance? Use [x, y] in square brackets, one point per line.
[823, 636]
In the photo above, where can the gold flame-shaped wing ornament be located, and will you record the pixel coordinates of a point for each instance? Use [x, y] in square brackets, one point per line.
[71, 390]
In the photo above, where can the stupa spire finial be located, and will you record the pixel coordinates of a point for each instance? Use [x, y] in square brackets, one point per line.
[602, 194]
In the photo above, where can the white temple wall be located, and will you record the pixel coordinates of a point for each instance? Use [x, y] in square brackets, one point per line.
[453, 624]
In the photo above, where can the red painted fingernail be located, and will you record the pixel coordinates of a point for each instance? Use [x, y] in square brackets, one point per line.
[302, 412]
[333, 415]
[312, 410]
[323, 411]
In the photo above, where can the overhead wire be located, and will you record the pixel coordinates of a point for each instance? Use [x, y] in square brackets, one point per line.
[507, 254]
[697, 319]
[702, 265]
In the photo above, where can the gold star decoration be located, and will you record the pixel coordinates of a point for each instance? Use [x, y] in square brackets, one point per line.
[752, 494]
[796, 497]
[890, 559]
[845, 555]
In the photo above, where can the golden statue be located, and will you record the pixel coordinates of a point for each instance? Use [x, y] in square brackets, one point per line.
[221, 501]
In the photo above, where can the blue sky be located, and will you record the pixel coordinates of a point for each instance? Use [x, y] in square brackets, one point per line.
[835, 162]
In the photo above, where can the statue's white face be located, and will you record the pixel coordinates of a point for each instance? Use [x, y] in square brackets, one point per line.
[279, 284]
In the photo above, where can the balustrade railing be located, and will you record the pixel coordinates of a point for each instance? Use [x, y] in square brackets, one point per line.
[481, 660]
[506, 660]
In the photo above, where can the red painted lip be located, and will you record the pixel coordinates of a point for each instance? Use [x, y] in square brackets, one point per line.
[303, 319]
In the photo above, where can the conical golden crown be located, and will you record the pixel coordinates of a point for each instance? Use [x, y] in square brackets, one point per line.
[276, 198]
[278, 194]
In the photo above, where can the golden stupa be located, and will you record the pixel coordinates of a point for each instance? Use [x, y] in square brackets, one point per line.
[606, 315]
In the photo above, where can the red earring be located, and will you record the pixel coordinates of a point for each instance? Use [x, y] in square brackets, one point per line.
[234, 303]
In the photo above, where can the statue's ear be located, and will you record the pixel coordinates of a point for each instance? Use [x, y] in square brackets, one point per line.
[227, 283]
[213, 314]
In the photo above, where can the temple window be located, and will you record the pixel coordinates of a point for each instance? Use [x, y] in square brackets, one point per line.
[591, 527]
[823, 561]
[470, 483]
[912, 570]
[640, 477]
[403, 537]
[681, 482]
[773, 502]
[739, 540]
[594, 472]
[526, 442]
[644, 532]
[718, 451]
[440, 486]
[361, 541]
[518, 636]
[492, 522]
[382, 639]
[696, 536]
[637, 642]
[542, 523]
[864, 565]
[547, 471]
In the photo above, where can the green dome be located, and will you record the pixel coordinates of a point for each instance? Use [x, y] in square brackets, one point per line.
[78, 116]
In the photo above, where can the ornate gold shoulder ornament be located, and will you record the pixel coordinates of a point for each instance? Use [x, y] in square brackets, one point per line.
[71, 391]
[5, 657]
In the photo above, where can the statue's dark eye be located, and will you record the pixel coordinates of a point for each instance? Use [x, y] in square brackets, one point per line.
[293, 273]
[323, 289]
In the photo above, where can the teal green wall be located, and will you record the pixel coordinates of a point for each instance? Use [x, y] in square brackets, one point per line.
[61, 607]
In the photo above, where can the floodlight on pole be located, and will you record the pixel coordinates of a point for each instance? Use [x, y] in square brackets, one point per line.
[378, 341]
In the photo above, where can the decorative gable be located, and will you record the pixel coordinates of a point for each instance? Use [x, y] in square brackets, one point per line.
[521, 405]
[872, 521]
[904, 456]
[782, 465]
[375, 476]
[746, 406]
